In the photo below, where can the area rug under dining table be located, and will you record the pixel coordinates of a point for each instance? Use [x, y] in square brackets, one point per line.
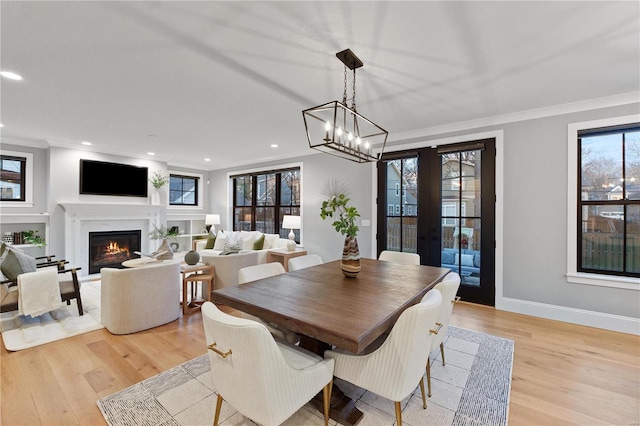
[471, 389]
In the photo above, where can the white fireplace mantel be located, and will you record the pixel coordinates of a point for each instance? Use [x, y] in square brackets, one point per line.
[82, 218]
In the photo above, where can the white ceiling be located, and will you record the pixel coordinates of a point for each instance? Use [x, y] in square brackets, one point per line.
[224, 80]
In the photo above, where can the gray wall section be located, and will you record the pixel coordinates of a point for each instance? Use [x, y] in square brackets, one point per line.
[535, 206]
[535, 217]
[318, 236]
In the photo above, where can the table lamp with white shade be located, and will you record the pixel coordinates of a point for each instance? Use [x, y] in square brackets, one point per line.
[211, 220]
[291, 222]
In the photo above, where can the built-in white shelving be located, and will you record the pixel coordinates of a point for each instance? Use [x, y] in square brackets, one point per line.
[190, 227]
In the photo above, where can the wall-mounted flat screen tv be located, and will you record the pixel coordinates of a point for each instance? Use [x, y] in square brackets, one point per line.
[103, 178]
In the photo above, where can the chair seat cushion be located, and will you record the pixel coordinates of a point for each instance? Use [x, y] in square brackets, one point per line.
[297, 357]
[8, 295]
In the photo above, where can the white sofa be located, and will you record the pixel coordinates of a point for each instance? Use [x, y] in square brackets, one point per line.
[228, 265]
[136, 299]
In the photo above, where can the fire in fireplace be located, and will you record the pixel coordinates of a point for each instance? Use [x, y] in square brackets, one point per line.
[110, 249]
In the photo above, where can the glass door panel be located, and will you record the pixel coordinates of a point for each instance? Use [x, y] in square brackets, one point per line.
[401, 201]
[461, 188]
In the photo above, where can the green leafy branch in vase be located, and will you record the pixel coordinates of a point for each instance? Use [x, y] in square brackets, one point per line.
[344, 215]
[158, 180]
[162, 233]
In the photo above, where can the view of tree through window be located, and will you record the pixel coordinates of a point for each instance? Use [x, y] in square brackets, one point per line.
[262, 199]
[12, 178]
[609, 201]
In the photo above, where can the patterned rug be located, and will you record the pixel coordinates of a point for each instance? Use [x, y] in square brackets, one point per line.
[472, 389]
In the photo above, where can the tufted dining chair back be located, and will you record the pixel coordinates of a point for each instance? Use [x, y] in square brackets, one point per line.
[397, 366]
[400, 257]
[305, 261]
[265, 380]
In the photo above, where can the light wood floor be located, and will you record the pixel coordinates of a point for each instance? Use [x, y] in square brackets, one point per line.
[563, 374]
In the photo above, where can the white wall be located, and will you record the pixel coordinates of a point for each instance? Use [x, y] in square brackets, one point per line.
[64, 187]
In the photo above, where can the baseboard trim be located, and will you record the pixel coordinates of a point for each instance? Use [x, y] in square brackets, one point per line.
[611, 322]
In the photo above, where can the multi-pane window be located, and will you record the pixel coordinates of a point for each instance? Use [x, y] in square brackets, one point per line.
[402, 204]
[183, 190]
[260, 201]
[12, 178]
[609, 201]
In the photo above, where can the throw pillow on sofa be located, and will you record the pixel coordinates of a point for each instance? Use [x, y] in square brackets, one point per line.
[232, 243]
[14, 263]
[448, 257]
[259, 244]
[249, 238]
[211, 241]
[467, 260]
[220, 238]
[270, 241]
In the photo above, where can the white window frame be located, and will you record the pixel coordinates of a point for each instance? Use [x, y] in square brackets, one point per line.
[28, 181]
[573, 276]
[199, 202]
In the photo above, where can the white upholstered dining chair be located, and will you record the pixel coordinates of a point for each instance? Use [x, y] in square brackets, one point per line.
[305, 261]
[400, 257]
[395, 368]
[449, 288]
[265, 380]
[257, 272]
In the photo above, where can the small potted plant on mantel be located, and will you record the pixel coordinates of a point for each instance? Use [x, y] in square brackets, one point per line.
[337, 207]
[158, 180]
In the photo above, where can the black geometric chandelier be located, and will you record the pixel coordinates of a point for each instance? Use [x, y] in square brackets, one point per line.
[337, 129]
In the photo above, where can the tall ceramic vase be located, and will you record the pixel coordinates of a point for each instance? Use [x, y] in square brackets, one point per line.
[167, 249]
[350, 257]
[155, 197]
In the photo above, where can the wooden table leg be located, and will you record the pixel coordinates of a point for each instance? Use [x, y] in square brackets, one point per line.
[343, 409]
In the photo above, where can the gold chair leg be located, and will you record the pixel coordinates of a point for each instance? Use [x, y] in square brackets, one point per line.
[429, 376]
[424, 400]
[326, 394]
[442, 352]
[218, 406]
[398, 414]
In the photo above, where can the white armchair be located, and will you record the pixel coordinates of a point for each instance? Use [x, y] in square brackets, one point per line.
[397, 366]
[400, 257]
[305, 261]
[265, 380]
[136, 299]
[449, 288]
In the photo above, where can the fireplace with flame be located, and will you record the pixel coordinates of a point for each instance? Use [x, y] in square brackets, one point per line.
[110, 249]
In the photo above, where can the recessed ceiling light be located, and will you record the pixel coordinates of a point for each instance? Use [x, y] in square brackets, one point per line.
[86, 143]
[1, 125]
[10, 75]
[274, 145]
[151, 153]
[207, 159]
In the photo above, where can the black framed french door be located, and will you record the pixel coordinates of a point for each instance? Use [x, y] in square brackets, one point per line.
[440, 203]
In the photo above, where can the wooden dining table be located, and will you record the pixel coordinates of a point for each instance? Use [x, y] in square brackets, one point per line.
[328, 309]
